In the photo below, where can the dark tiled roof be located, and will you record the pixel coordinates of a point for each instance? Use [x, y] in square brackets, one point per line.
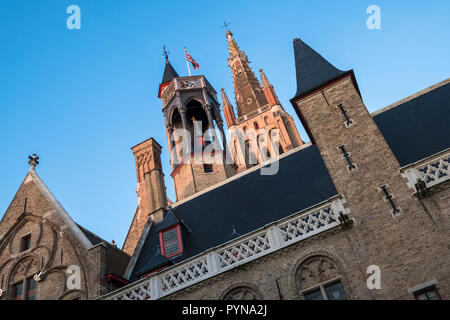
[419, 127]
[116, 260]
[311, 68]
[169, 220]
[169, 73]
[248, 203]
[93, 238]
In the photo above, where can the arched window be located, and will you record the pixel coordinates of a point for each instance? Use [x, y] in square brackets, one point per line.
[22, 283]
[266, 120]
[318, 278]
[245, 130]
[250, 158]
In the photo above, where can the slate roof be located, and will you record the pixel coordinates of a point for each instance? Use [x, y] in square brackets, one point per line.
[247, 203]
[169, 73]
[93, 238]
[116, 260]
[418, 128]
[311, 68]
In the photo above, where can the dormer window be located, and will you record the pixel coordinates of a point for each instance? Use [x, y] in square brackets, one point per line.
[170, 239]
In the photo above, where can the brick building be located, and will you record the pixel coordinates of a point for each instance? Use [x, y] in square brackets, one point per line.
[368, 196]
[45, 255]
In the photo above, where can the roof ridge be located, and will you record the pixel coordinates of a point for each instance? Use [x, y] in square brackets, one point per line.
[412, 97]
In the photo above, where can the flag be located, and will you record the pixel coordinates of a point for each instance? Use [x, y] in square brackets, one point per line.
[191, 60]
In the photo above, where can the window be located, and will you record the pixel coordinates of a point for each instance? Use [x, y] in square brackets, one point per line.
[31, 290]
[18, 289]
[330, 291]
[25, 243]
[29, 285]
[207, 168]
[256, 125]
[429, 293]
[171, 241]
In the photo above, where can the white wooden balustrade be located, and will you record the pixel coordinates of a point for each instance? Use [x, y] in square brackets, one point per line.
[236, 252]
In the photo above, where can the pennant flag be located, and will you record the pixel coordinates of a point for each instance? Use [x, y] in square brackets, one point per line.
[191, 60]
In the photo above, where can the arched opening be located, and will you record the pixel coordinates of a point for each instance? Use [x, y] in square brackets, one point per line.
[198, 124]
[319, 278]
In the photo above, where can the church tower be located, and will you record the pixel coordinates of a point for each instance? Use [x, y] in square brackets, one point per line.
[263, 128]
[195, 133]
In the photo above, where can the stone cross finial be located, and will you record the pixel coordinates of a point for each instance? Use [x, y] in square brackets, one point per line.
[33, 161]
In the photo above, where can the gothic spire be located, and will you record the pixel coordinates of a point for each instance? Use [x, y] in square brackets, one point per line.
[264, 80]
[225, 101]
[228, 111]
[248, 91]
[268, 89]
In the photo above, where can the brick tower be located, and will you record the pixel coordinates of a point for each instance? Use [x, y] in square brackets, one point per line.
[363, 169]
[151, 190]
[259, 113]
[195, 134]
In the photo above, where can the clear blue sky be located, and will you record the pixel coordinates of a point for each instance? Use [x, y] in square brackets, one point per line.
[82, 98]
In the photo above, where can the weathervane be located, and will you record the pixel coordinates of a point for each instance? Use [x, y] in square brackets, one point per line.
[165, 53]
[33, 161]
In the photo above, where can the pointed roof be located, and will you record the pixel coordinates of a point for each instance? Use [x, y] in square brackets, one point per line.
[68, 221]
[264, 80]
[170, 219]
[169, 72]
[225, 100]
[311, 68]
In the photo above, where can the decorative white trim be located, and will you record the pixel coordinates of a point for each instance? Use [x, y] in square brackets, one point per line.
[272, 237]
[433, 170]
[422, 286]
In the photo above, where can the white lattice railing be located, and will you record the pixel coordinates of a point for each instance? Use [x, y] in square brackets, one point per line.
[241, 250]
[433, 170]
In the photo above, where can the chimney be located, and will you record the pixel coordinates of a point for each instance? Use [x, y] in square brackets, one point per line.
[151, 190]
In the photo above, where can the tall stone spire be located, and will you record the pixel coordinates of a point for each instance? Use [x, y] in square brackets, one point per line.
[269, 91]
[248, 91]
[228, 111]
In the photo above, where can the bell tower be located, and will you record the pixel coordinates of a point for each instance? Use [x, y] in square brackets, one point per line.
[263, 128]
[195, 133]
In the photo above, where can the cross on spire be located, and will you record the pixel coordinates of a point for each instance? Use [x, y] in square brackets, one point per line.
[225, 25]
[33, 161]
[165, 53]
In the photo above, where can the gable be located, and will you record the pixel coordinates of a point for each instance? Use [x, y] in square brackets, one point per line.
[40, 202]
